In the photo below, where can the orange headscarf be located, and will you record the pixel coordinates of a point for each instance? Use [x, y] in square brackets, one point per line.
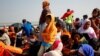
[50, 31]
[65, 32]
[12, 49]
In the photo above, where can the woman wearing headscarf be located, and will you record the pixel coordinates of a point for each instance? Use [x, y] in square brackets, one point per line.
[56, 48]
[6, 50]
[49, 34]
[86, 28]
[85, 50]
[4, 37]
[89, 34]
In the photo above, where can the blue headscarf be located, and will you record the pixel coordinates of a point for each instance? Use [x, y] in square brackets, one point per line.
[86, 50]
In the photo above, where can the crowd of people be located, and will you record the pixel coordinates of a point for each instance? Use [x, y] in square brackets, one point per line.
[54, 36]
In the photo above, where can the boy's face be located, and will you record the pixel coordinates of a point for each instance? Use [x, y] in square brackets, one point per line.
[77, 38]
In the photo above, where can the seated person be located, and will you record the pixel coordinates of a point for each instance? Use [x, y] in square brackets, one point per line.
[67, 45]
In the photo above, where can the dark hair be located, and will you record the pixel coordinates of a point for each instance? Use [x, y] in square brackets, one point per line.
[56, 19]
[64, 38]
[97, 11]
[59, 25]
[68, 10]
[77, 19]
[75, 34]
[86, 36]
[85, 16]
[48, 17]
[24, 20]
[67, 41]
[1, 32]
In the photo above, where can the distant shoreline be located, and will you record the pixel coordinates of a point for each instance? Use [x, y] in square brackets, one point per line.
[10, 23]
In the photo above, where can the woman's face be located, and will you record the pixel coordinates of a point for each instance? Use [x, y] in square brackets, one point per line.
[48, 20]
[59, 29]
[95, 14]
[87, 25]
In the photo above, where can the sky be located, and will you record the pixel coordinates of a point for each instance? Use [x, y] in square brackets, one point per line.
[16, 10]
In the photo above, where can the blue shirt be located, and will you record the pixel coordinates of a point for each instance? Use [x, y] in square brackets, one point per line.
[27, 27]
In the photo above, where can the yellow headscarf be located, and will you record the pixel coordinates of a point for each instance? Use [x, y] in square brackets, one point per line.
[49, 35]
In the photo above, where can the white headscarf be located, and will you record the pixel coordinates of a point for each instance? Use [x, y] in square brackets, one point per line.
[58, 35]
[90, 31]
